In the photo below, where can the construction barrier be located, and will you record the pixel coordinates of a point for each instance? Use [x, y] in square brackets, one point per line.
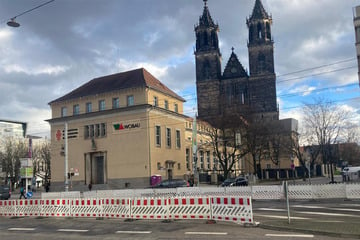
[149, 208]
[8, 208]
[234, 209]
[189, 208]
[31, 207]
[116, 208]
[86, 208]
[55, 208]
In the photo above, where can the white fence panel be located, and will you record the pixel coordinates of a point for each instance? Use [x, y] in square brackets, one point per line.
[300, 192]
[353, 191]
[238, 191]
[328, 191]
[267, 192]
[50, 195]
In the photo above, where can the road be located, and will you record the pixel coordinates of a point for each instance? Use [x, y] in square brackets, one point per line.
[68, 228]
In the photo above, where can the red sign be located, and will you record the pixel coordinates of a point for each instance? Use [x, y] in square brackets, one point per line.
[58, 135]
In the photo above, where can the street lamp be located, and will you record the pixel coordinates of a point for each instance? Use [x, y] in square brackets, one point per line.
[13, 23]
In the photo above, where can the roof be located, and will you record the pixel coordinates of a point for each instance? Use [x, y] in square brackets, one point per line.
[234, 68]
[124, 80]
[259, 11]
[206, 20]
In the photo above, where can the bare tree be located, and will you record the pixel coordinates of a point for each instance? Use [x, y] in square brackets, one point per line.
[42, 161]
[324, 123]
[12, 152]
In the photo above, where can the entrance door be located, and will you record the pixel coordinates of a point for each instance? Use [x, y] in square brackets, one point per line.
[99, 169]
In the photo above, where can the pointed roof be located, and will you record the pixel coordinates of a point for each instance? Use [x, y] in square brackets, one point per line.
[259, 11]
[206, 20]
[234, 68]
[125, 80]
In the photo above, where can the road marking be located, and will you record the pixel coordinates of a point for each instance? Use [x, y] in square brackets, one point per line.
[330, 214]
[134, 232]
[290, 235]
[280, 217]
[350, 204]
[206, 233]
[271, 209]
[328, 221]
[21, 229]
[72, 230]
[336, 209]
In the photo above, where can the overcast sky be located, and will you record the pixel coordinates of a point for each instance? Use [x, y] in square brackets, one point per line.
[66, 43]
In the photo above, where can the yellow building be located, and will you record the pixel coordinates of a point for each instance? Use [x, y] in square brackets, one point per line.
[122, 129]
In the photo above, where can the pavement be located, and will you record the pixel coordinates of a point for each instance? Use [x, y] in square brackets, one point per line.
[333, 229]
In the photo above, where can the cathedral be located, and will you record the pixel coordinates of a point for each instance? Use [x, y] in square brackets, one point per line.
[235, 92]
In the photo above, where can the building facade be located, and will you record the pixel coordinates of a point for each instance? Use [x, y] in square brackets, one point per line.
[235, 92]
[122, 129]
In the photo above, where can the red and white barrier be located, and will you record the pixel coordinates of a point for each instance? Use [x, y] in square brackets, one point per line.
[234, 209]
[31, 207]
[8, 208]
[55, 208]
[149, 208]
[86, 208]
[116, 208]
[189, 208]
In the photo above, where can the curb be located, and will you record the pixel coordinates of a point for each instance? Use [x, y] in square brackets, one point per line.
[309, 231]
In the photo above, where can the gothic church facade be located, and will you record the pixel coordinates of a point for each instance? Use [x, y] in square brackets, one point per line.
[235, 92]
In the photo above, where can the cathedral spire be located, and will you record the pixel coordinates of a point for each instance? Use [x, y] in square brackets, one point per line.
[259, 12]
[206, 20]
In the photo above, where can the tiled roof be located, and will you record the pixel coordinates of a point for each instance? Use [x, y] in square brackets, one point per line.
[125, 80]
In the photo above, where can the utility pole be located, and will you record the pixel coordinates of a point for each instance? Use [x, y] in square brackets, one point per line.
[66, 158]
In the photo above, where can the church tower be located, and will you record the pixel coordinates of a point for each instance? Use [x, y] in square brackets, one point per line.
[261, 64]
[208, 66]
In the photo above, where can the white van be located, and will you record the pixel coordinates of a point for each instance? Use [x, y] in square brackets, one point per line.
[351, 173]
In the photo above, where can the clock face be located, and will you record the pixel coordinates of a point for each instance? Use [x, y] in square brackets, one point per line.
[233, 70]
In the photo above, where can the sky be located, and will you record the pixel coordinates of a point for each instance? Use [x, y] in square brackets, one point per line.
[66, 43]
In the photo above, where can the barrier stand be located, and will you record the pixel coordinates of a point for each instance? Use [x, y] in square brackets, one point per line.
[211, 220]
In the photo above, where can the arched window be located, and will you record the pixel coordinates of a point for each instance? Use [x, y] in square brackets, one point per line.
[251, 32]
[259, 30]
[268, 31]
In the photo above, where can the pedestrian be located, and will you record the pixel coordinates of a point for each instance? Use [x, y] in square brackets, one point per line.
[47, 188]
[22, 192]
[90, 186]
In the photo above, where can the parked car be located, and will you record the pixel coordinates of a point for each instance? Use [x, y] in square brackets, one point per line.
[173, 183]
[240, 181]
[227, 182]
[5, 192]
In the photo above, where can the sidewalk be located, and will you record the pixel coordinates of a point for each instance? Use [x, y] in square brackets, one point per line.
[337, 229]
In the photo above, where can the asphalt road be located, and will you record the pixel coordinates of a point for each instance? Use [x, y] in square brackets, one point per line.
[67, 228]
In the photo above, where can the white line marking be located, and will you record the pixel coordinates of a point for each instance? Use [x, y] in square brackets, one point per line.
[271, 209]
[329, 221]
[290, 235]
[134, 232]
[206, 233]
[280, 217]
[21, 229]
[350, 204]
[329, 214]
[336, 209]
[72, 230]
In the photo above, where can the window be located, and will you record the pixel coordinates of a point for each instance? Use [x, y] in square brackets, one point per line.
[76, 109]
[88, 107]
[101, 105]
[159, 166]
[158, 136]
[63, 112]
[176, 107]
[179, 166]
[178, 144]
[115, 103]
[130, 100]
[187, 158]
[208, 160]
[95, 130]
[201, 160]
[238, 139]
[166, 104]
[168, 137]
[215, 162]
[156, 101]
